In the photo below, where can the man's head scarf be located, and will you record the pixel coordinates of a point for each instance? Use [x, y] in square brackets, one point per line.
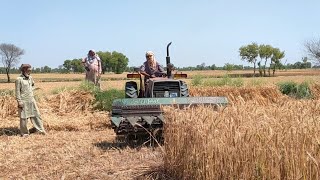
[151, 62]
[24, 67]
[90, 58]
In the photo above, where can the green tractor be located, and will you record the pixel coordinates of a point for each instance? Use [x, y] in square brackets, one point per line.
[139, 113]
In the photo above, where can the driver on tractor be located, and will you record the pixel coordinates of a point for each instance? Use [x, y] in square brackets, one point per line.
[151, 68]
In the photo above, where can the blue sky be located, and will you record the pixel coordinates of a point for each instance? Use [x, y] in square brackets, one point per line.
[202, 31]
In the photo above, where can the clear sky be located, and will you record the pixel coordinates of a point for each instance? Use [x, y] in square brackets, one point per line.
[201, 31]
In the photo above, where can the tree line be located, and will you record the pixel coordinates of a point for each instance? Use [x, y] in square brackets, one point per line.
[303, 64]
[266, 53]
[270, 59]
[229, 67]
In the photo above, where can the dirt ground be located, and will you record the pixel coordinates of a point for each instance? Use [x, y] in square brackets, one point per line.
[72, 154]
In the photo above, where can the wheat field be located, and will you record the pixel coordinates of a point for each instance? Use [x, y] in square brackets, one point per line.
[264, 135]
[261, 134]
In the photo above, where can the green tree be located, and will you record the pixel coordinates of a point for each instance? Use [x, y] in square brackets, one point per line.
[305, 63]
[229, 67]
[300, 65]
[250, 54]
[36, 70]
[213, 67]
[76, 66]
[201, 66]
[10, 55]
[265, 52]
[46, 69]
[105, 60]
[119, 62]
[67, 65]
[115, 62]
[277, 55]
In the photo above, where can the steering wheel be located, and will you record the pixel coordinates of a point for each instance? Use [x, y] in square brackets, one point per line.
[160, 74]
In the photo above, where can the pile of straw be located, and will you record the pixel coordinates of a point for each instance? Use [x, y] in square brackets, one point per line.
[8, 106]
[315, 90]
[68, 102]
[67, 111]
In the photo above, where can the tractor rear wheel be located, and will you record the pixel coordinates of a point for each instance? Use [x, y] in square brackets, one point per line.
[184, 89]
[131, 89]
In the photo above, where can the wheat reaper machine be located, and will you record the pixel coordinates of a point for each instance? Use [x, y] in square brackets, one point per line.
[140, 113]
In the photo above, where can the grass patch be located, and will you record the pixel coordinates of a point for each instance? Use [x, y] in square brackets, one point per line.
[197, 80]
[84, 86]
[295, 90]
[304, 91]
[224, 81]
[257, 82]
[104, 99]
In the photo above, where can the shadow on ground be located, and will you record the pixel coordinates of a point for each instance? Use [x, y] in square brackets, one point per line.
[14, 131]
[124, 143]
[9, 131]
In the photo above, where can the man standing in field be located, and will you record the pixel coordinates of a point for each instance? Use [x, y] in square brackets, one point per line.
[26, 102]
[92, 64]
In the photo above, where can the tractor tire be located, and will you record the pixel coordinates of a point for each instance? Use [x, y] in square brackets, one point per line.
[131, 90]
[184, 89]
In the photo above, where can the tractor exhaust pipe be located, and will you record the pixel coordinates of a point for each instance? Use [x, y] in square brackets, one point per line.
[169, 65]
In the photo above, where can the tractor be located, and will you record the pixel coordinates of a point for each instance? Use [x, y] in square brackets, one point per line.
[140, 113]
